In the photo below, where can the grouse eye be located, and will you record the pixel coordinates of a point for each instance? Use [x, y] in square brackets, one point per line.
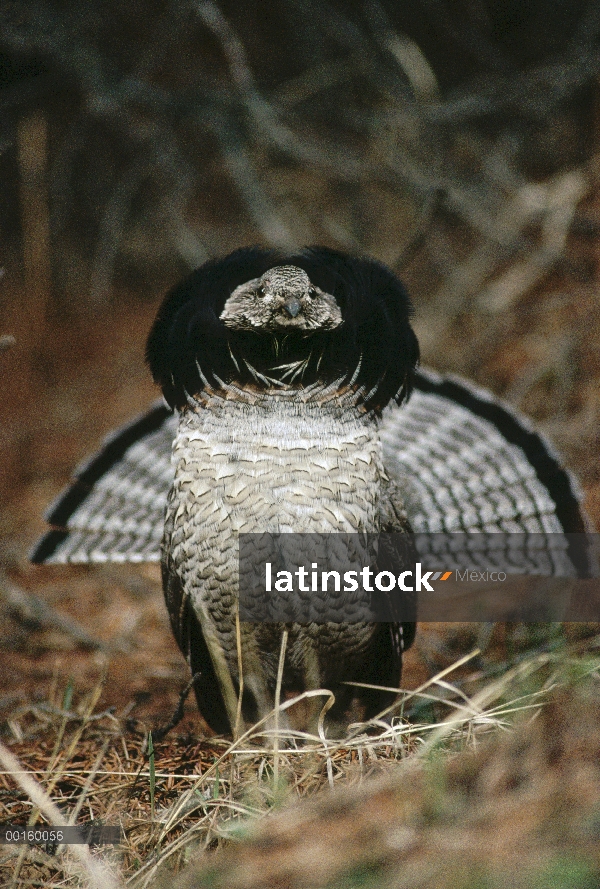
[260, 291]
[312, 292]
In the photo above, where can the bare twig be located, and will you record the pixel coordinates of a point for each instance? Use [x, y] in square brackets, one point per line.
[561, 199]
[28, 608]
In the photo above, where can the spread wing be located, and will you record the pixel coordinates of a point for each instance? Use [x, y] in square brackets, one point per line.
[465, 460]
[469, 462]
[114, 509]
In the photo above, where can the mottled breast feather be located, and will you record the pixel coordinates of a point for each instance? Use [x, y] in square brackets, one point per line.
[280, 463]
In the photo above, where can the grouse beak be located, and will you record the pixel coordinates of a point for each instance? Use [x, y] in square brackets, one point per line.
[292, 307]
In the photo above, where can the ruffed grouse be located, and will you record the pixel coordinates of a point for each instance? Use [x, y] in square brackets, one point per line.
[289, 376]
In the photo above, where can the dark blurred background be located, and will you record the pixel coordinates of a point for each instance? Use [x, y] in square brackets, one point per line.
[452, 140]
[456, 140]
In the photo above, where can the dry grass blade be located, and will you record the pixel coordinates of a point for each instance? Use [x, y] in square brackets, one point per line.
[239, 725]
[492, 692]
[89, 782]
[407, 695]
[284, 639]
[93, 873]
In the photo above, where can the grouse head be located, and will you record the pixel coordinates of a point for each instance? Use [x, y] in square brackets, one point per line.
[282, 300]
[263, 318]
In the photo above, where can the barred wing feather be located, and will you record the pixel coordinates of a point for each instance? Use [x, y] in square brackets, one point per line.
[470, 463]
[114, 509]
